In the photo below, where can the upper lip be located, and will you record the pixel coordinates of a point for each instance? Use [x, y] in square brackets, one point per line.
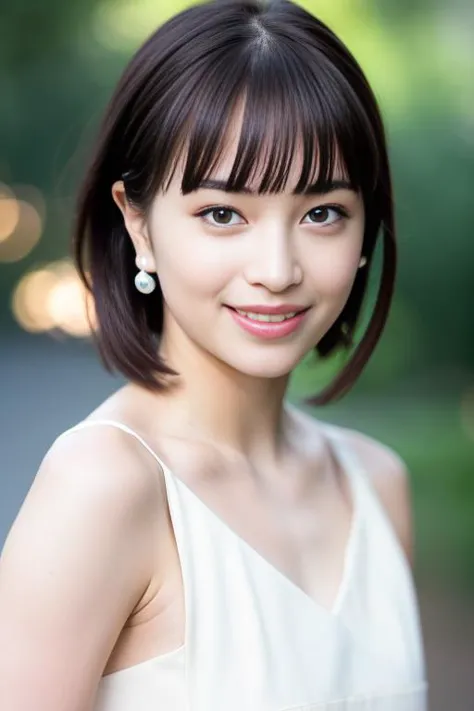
[280, 309]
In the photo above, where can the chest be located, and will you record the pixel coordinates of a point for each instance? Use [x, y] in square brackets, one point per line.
[300, 529]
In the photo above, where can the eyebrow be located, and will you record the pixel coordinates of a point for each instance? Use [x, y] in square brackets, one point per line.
[318, 188]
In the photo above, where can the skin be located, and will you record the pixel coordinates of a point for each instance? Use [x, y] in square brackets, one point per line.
[79, 601]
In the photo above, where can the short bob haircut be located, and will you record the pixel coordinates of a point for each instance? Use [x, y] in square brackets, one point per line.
[175, 99]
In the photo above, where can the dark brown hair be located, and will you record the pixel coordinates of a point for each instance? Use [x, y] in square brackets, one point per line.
[176, 97]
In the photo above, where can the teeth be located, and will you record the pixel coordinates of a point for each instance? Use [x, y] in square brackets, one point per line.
[270, 318]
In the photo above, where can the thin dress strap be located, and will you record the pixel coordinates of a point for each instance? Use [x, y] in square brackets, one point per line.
[124, 428]
[369, 498]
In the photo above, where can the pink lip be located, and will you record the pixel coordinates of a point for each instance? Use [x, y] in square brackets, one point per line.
[265, 329]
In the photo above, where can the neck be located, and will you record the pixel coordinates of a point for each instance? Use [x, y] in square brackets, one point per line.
[213, 402]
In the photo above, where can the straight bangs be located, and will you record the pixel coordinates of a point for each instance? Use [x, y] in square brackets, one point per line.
[292, 104]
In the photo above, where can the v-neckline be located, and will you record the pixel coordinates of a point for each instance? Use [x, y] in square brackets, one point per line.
[334, 609]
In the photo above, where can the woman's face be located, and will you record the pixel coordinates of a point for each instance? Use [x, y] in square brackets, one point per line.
[216, 252]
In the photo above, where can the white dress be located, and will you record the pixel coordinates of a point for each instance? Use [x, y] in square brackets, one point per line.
[254, 641]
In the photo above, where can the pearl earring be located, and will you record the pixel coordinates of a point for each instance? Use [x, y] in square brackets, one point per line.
[362, 262]
[143, 281]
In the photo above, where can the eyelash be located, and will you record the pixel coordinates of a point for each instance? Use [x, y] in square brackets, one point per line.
[341, 211]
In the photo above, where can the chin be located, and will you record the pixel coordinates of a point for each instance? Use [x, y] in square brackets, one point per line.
[273, 365]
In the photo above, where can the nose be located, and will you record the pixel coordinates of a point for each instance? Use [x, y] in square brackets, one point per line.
[274, 263]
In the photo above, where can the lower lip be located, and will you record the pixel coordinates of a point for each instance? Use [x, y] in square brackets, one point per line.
[267, 329]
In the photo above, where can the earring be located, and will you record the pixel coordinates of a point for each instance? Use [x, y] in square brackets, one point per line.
[362, 262]
[143, 281]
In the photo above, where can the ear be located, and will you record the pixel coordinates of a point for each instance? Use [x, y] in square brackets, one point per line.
[137, 228]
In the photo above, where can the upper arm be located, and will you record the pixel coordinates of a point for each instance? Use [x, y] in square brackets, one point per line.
[390, 478]
[76, 561]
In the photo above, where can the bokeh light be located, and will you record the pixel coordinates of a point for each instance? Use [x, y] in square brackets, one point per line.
[53, 297]
[9, 212]
[22, 213]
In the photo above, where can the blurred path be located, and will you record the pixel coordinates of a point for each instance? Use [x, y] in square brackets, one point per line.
[48, 385]
[448, 629]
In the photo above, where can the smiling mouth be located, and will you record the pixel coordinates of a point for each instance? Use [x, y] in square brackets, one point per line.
[268, 318]
[270, 322]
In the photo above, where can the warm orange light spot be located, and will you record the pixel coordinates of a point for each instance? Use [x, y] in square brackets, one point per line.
[54, 298]
[20, 229]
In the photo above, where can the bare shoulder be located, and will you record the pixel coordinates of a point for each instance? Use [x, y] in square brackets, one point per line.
[102, 466]
[390, 479]
[78, 559]
[106, 472]
[125, 465]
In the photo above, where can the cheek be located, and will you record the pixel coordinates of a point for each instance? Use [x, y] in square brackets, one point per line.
[190, 277]
[337, 279]
[333, 274]
[191, 271]
[334, 264]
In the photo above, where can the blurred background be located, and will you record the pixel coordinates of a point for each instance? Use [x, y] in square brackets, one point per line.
[58, 65]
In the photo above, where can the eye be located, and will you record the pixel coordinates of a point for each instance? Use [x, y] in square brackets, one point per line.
[326, 214]
[220, 216]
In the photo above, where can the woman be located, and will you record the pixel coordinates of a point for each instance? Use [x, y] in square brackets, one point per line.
[196, 542]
